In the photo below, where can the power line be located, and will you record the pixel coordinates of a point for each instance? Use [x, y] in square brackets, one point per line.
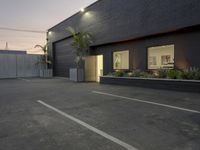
[22, 30]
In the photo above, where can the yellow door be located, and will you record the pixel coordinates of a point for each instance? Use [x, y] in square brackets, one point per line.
[93, 68]
[90, 68]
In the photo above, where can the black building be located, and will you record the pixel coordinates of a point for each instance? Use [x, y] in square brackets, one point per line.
[132, 34]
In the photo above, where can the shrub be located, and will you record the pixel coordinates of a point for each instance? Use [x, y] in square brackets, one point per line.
[130, 74]
[134, 73]
[110, 74]
[146, 75]
[162, 73]
[137, 73]
[192, 74]
[126, 74]
[170, 74]
[118, 74]
[180, 75]
[174, 74]
[197, 75]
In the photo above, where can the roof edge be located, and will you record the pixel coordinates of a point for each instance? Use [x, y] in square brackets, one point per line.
[74, 15]
[183, 29]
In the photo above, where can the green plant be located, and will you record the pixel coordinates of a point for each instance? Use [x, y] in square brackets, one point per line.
[147, 75]
[136, 73]
[162, 73]
[130, 74]
[197, 75]
[126, 74]
[110, 74]
[191, 74]
[118, 74]
[81, 42]
[45, 56]
[172, 74]
[179, 75]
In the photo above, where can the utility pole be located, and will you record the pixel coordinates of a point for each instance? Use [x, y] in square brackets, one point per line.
[6, 48]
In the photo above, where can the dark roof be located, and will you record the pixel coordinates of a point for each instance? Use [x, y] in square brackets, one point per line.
[12, 52]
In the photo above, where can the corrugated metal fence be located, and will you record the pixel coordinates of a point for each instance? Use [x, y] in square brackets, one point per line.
[19, 65]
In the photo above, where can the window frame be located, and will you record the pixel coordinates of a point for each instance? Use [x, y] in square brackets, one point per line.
[118, 51]
[147, 60]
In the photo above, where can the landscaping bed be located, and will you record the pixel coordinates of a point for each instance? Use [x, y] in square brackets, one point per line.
[167, 84]
[187, 81]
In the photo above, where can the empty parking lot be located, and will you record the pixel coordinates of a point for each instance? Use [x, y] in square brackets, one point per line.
[56, 114]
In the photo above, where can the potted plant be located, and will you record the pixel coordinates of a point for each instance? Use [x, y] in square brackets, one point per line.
[81, 42]
[44, 63]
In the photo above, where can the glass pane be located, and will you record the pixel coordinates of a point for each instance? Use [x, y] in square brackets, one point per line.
[121, 60]
[161, 57]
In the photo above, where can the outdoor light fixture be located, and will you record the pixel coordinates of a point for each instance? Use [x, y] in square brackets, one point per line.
[87, 13]
[50, 32]
[82, 9]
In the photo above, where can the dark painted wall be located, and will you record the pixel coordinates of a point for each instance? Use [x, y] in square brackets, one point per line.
[187, 50]
[116, 20]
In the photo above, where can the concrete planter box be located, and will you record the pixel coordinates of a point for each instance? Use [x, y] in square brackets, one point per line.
[76, 75]
[166, 84]
[46, 73]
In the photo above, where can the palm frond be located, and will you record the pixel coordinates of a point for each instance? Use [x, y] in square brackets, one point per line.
[81, 42]
[43, 48]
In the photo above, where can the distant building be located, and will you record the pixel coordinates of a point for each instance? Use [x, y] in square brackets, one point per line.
[12, 52]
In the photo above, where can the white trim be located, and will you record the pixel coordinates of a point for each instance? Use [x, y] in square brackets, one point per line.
[148, 102]
[24, 79]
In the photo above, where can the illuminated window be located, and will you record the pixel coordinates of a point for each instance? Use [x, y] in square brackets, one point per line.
[161, 57]
[121, 60]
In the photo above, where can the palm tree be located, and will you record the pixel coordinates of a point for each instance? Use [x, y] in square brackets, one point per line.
[81, 42]
[45, 56]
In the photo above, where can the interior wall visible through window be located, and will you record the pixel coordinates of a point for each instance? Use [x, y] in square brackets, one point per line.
[121, 60]
[161, 57]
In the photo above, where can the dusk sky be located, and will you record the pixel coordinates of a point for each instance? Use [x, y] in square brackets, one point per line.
[37, 15]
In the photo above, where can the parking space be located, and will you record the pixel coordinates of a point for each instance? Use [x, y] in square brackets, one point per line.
[56, 114]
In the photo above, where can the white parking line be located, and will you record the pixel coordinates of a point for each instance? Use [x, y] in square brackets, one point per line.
[107, 136]
[148, 102]
[24, 79]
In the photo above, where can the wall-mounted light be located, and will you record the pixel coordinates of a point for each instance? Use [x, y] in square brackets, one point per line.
[82, 10]
[50, 33]
[87, 13]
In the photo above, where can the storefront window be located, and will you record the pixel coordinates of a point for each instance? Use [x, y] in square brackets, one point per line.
[161, 57]
[121, 60]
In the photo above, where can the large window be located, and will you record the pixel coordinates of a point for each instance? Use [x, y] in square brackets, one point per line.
[121, 60]
[161, 57]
